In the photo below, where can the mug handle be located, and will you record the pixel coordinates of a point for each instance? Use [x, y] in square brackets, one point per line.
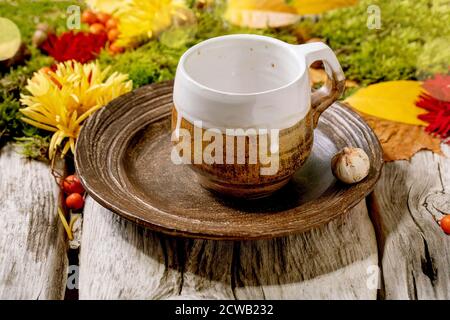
[334, 86]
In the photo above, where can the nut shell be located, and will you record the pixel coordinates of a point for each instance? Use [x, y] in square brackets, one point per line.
[351, 165]
[39, 38]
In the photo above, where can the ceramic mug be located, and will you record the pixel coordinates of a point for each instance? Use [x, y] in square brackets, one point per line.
[244, 112]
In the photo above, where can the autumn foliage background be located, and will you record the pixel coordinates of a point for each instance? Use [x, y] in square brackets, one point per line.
[388, 68]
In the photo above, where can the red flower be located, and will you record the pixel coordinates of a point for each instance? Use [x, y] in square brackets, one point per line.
[436, 101]
[82, 47]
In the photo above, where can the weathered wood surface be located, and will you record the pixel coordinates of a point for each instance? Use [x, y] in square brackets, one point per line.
[407, 203]
[337, 261]
[33, 263]
[120, 260]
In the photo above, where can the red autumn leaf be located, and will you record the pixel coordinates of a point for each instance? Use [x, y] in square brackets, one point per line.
[82, 47]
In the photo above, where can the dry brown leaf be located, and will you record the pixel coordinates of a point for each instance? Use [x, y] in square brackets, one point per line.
[351, 84]
[400, 141]
[317, 76]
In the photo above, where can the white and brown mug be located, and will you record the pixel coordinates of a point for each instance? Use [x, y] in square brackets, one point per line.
[254, 95]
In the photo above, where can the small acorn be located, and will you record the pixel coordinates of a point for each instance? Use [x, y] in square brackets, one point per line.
[350, 165]
[39, 38]
[45, 27]
[41, 34]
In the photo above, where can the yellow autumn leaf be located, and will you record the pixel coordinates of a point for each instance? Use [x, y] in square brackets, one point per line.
[262, 5]
[9, 39]
[391, 100]
[107, 6]
[319, 6]
[261, 19]
[260, 13]
[277, 13]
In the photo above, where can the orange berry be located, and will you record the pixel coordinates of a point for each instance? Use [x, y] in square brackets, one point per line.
[97, 28]
[103, 17]
[113, 34]
[111, 24]
[88, 17]
[445, 223]
[114, 48]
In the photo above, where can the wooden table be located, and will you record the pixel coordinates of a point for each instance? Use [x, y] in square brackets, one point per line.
[392, 237]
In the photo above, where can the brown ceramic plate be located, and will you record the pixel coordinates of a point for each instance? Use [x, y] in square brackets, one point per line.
[123, 159]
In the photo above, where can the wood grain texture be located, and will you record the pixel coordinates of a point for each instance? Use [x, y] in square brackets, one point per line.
[33, 260]
[407, 203]
[124, 160]
[120, 260]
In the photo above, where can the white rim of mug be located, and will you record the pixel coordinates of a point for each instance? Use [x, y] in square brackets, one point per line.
[288, 47]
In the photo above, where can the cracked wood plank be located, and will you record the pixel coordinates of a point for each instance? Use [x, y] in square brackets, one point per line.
[33, 260]
[120, 260]
[409, 199]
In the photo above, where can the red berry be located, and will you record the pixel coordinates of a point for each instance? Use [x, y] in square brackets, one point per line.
[72, 184]
[445, 224]
[75, 201]
[111, 24]
[88, 17]
[114, 48]
[113, 34]
[97, 28]
[103, 17]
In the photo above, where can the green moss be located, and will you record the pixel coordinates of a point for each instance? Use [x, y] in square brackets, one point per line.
[150, 63]
[34, 147]
[392, 52]
[434, 57]
[10, 124]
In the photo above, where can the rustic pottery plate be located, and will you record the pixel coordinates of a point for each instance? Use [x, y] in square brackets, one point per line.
[123, 159]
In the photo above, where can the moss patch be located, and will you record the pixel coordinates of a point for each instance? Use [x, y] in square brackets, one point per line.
[396, 51]
[157, 60]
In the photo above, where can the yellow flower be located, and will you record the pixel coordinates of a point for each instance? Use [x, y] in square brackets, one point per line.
[107, 6]
[60, 101]
[140, 20]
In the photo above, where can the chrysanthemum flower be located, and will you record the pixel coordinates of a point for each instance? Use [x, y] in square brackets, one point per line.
[142, 19]
[60, 101]
[108, 6]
